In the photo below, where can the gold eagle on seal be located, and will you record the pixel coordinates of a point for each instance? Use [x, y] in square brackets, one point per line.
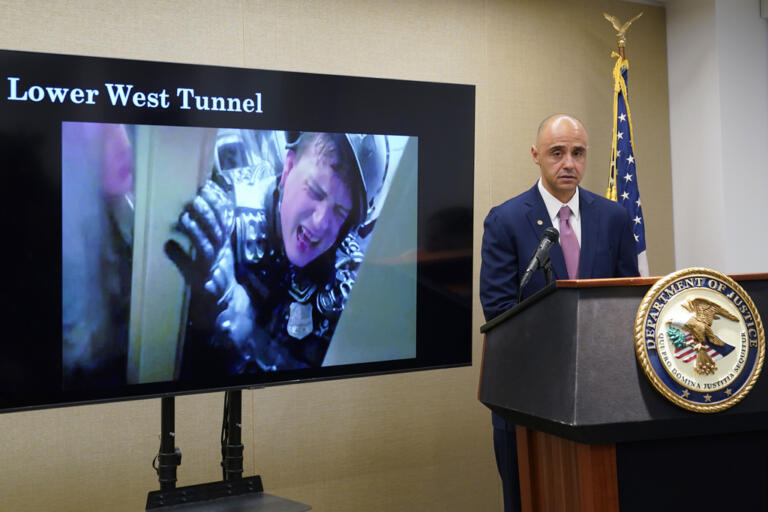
[700, 313]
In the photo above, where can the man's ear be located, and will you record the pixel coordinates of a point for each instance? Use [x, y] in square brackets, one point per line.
[288, 164]
[535, 154]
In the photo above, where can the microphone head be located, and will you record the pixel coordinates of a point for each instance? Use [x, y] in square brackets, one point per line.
[552, 234]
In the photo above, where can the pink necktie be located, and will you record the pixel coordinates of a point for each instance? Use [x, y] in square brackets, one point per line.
[569, 243]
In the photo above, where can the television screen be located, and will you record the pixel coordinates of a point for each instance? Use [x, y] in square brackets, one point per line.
[177, 228]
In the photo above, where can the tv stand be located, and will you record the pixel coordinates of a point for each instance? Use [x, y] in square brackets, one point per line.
[233, 492]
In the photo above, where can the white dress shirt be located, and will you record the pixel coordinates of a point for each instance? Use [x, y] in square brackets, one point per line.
[553, 205]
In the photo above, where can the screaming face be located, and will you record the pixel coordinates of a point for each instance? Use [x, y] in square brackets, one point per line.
[315, 205]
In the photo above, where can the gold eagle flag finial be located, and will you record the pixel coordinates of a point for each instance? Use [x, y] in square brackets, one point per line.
[621, 30]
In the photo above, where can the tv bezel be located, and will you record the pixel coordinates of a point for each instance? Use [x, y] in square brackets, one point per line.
[440, 115]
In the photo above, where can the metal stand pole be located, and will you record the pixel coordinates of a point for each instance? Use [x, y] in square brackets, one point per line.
[169, 456]
[241, 492]
[231, 445]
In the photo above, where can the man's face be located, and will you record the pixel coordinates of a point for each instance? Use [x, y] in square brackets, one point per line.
[561, 154]
[314, 207]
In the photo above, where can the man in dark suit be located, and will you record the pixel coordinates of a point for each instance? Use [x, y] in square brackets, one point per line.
[596, 240]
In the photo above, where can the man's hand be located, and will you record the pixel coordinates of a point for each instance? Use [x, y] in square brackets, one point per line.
[207, 221]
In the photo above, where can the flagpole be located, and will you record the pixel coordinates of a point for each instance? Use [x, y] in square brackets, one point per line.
[622, 183]
[621, 34]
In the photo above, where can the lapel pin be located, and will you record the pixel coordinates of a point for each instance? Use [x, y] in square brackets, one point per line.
[540, 222]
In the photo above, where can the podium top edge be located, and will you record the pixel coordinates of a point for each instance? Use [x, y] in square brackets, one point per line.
[607, 282]
[639, 281]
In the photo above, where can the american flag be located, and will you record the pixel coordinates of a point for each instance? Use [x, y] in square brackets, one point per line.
[688, 354]
[622, 186]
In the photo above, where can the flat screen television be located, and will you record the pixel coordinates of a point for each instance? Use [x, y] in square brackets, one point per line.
[176, 228]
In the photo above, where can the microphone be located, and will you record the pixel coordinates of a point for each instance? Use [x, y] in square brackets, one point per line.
[539, 258]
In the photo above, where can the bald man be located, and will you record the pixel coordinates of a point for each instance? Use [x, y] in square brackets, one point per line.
[596, 240]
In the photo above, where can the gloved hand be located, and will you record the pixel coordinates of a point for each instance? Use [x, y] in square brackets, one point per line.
[207, 221]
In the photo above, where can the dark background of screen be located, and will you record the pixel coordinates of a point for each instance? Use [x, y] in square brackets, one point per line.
[442, 116]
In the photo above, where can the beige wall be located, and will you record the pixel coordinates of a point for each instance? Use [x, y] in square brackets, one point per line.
[719, 128]
[417, 441]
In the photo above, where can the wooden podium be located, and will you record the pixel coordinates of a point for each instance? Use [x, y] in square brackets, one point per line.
[592, 433]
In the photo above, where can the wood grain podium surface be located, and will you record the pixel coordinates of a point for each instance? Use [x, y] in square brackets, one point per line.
[560, 475]
[640, 281]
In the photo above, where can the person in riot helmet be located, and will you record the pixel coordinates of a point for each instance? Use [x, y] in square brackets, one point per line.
[276, 253]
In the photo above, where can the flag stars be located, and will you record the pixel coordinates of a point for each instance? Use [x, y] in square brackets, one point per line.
[624, 166]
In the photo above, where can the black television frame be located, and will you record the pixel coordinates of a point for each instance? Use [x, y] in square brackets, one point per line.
[441, 116]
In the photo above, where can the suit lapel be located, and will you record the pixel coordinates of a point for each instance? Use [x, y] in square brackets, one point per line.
[589, 235]
[538, 220]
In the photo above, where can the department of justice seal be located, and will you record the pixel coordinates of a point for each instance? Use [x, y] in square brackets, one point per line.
[699, 339]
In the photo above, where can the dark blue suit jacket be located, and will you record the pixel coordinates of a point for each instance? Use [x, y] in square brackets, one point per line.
[512, 232]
